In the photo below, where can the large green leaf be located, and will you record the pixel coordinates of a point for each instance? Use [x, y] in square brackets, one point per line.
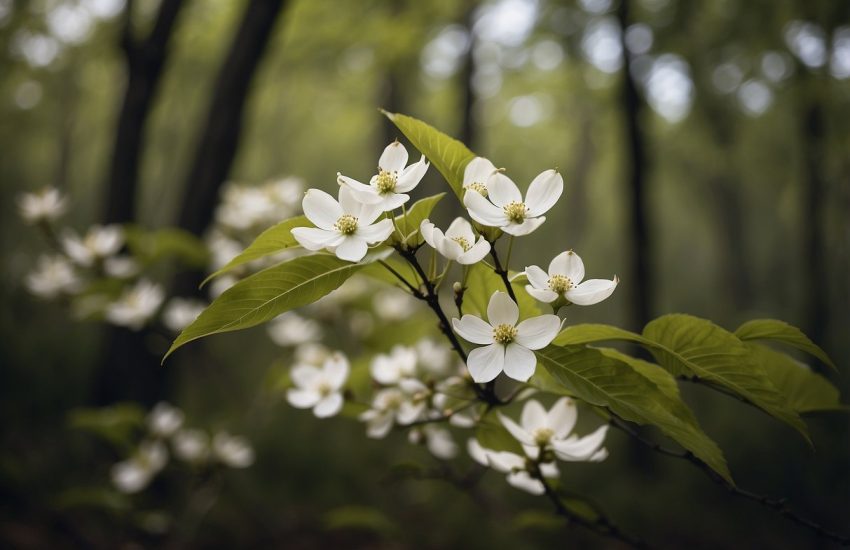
[604, 378]
[268, 293]
[804, 390]
[482, 282]
[780, 331]
[409, 224]
[590, 333]
[271, 241]
[447, 154]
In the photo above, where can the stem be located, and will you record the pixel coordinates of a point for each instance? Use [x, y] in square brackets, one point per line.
[398, 276]
[510, 250]
[501, 271]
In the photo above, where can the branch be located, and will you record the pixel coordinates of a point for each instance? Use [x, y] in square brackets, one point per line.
[779, 505]
[502, 271]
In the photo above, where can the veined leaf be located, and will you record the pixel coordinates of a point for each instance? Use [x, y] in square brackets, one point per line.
[271, 241]
[590, 333]
[447, 154]
[804, 390]
[409, 224]
[780, 331]
[268, 293]
[602, 378]
[482, 282]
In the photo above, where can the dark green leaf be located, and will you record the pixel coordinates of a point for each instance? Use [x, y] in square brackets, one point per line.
[482, 282]
[780, 331]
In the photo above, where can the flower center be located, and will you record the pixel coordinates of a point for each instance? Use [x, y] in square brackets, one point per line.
[560, 283]
[386, 182]
[504, 334]
[542, 436]
[516, 211]
[346, 224]
[324, 389]
[479, 187]
[464, 244]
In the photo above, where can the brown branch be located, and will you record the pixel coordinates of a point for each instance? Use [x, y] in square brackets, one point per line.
[502, 271]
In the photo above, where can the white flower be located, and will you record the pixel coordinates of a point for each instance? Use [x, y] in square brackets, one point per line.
[99, 242]
[191, 445]
[566, 271]
[344, 228]
[121, 267]
[136, 305]
[403, 404]
[312, 354]
[291, 329]
[181, 312]
[387, 189]
[541, 430]
[164, 420]
[514, 465]
[222, 249]
[220, 284]
[232, 450]
[476, 174]
[319, 388]
[458, 244]
[53, 276]
[438, 440]
[392, 305]
[433, 357]
[134, 474]
[45, 205]
[507, 345]
[390, 369]
[505, 208]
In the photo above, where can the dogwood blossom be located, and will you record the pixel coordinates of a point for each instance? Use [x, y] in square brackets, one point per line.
[180, 312]
[232, 450]
[541, 430]
[191, 445]
[438, 440]
[291, 329]
[516, 466]
[54, 275]
[387, 189]
[134, 474]
[101, 241]
[458, 243]
[344, 227]
[504, 206]
[136, 305]
[566, 272]
[46, 205]
[164, 420]
[391, 368]
[402, 404]
[507, 345]
[319, 388]
[476, 174]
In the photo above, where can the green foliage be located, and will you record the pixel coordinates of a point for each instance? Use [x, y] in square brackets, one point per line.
[606, 378]
[409, 224]
[152, 246]
[361, 518]
[447, 154]
[482, 282]
[271, 241]
[780, 331]
[491, 434]
[265, 295]
[116, 423]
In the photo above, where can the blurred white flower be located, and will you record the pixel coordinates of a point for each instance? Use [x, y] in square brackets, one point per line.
[179, 313]
[164, 419]
[403, 404]
[101, 241]
[389, 369]
[504, 206]
[232, 450]
[458, 243]
[121, 267]
[291, 329]
[433, 357]
[345, 227]
[136, 305]
[438, 440]
[388, 188]
[566, 272]
[318, 388]
[191, 445]
[516, 466]
[134, 474]
[220, 284]
[507, 345]
[222, 249]
[42, 206]
[477, 173]
[54, 275]
[392, 305]
[312, 354]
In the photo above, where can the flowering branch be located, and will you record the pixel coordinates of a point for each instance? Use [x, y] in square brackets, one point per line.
[501, 271]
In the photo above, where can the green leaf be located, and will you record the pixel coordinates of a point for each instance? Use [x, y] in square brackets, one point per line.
[447, 154]
[271, 241]
[780, 331]
[492, 435]
[590, 333]
[409, 224]
[690, 346]
[152, 246]
[268, 293]
[605, 379]
[482, 282]
[116, 424]
[804, 390]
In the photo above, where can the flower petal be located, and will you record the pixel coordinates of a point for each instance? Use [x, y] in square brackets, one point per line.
[411, 176]
[336, 370]
[533, 417]
[486, 363]
[591, 291]
[520, 362]
[522, 480]
[546, 296]
[583, 448]
[524, 228]
[352, 249]
[328, 406]
[449, 248]
[304, 376]
[460, 228]
[502, 310]
[321, 208]
[380, 426]
[484, 211]
[313, 238]
[394, 158]
[393, 201]
[363, 193]
[561, 418]
[477, 452]
[476, 253]
[538, 332]
[520, 433]
[569, 265]
[473, 329]
[430, 232]
[544, 192]
[478, 170]
[504, 461]
[501, 190]
[537, 277]
[375, 233]
[302, 399]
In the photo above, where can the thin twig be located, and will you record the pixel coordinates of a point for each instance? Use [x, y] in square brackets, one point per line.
[502, 271]
[399, 276]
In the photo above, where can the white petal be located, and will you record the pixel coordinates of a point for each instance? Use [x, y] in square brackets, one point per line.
[561, 418]
[380, 426]
[302, 399]
[505, 461]
[524, 228]
[484, 211]
[473, 329]
[538, 332]
[360, 191]
[578, 449]
[546, 296]
[375, 233]
[429, 232]
[502, 310]
[520, 362]
[522, 480]
[569, 265]
[321, 208]
[544, 192]
[477, 452]
[394, 158]
[304, 376]
[534, 417]
[411, 176]
[328, 406]
[449, 248]
[409, 412]
[460, 228]
[393, 201]
[336, 370]
[352, 249]
[313, 238]
[486, 363]
[591, 291]
[478, 170]
[476, 253]
[519, 433]
[384, 370]
[537, 277]
[501, 190]
[550, 470]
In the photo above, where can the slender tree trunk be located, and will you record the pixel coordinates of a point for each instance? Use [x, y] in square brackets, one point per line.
[468, 130]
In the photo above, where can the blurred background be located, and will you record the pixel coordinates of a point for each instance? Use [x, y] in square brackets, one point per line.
[705, 148]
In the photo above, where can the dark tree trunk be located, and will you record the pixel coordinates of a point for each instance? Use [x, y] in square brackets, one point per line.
[468, 130]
